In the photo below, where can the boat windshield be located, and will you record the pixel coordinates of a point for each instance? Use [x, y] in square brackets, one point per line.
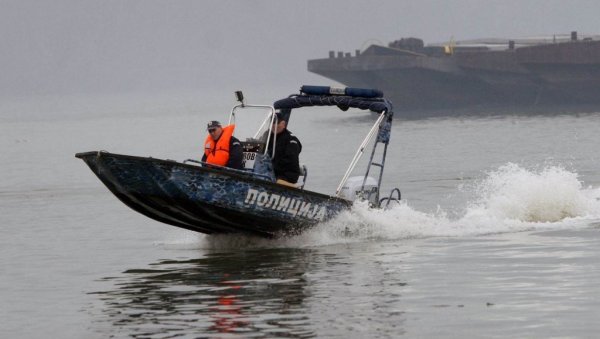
[252, 122]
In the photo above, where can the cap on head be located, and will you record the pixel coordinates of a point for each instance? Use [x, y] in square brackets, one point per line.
[213, 124]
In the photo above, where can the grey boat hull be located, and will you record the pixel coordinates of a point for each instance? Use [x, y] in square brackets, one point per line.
[210, 200]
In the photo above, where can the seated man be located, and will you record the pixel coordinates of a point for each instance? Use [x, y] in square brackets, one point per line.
[286, 162]
[221, 147]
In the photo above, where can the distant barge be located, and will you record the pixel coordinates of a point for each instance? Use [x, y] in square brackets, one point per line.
[487, 73]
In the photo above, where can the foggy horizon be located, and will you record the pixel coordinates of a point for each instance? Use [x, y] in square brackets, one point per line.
[70, 47]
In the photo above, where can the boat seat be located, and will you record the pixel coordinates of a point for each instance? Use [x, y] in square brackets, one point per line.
[303, 175]
[301, 179]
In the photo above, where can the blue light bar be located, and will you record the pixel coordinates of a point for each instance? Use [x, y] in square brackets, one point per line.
[346, 91]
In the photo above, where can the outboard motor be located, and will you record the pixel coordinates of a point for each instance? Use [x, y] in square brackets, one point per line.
[353, 189]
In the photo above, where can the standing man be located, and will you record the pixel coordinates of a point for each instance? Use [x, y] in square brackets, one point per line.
[221, 147]
[286, 160]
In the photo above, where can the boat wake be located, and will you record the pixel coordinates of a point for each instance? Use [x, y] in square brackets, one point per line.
[509, 199]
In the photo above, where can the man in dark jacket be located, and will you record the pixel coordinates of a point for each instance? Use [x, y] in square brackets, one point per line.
[230, 154]
[286, 161]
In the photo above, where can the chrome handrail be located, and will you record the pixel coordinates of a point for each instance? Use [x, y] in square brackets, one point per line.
[245, 172]
[272, 119]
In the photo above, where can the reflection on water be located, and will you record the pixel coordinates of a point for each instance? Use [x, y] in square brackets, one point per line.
[246, 294]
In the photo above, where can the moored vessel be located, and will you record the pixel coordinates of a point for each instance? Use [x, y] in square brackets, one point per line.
[485, 73]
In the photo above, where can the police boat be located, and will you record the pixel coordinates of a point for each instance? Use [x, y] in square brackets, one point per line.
[217, 200]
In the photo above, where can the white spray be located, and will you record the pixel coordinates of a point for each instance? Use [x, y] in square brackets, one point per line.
[510, 199]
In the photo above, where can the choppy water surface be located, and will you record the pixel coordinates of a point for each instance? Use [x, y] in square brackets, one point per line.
[498, 234]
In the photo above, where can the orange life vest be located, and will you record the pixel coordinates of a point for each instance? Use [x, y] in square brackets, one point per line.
[217, 152]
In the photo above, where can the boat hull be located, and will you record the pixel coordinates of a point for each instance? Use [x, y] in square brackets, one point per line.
[210, 200]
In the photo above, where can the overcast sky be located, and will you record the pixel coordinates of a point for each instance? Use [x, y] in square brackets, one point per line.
[64, 47]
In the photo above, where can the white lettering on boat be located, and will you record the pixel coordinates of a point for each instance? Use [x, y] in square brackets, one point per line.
[263, 197]
[291, 206]
[284, 202]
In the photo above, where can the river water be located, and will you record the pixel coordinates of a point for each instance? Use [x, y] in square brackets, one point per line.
[498, 234]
